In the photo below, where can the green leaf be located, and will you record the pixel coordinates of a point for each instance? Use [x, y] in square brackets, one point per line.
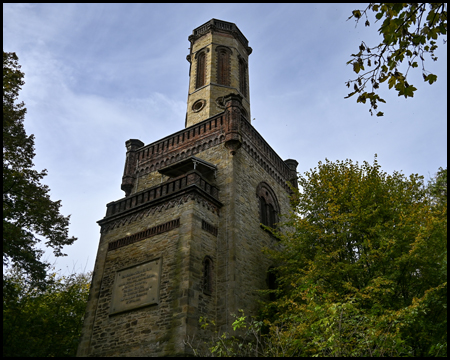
[392, 81]
[362, 98]
[356, 13]
[409, 91]
[431, 78]
[379, 113]
[356, 67]
[350, 95]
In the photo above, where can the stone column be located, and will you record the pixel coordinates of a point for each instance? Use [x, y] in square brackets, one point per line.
[129, 175]
[292, 164]
[233, 137]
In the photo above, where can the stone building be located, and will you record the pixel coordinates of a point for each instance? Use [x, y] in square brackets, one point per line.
[186, 239]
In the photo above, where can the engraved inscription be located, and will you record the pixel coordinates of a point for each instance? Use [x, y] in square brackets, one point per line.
[136, 286]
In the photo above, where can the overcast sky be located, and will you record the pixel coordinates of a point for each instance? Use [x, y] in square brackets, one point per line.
[97, 75]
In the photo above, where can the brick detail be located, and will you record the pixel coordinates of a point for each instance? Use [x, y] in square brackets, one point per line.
[207, 134]
[182, 144]
[159, 229]
[209, 228]
[220, 25]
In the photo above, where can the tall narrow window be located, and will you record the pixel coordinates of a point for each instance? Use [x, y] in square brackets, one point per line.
[201, 70]
[207, 275]
[263, 210]
[243, 77]
[268, 205]
[223, 67]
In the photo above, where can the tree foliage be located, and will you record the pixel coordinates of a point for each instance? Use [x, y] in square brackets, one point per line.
[251, 338]
[28, 211]
[410, 31]
[40, 322]
[363, 270]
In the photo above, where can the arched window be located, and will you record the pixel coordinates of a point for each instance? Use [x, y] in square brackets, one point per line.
[268, 205]
[223, 66]
[243, 77]
[201, 70]
[207, 275]
[263, 210]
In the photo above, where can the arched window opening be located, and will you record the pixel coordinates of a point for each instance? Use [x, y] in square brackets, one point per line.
[207, 275]
[201, 70]
[268, 205]
[223, 67]
[271, 216]
[243, 77]
[263, 210]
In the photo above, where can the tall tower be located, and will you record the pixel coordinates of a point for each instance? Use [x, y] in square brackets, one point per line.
[219, 66]
[186, 239]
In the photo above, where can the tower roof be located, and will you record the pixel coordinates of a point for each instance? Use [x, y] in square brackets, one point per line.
[220, 25]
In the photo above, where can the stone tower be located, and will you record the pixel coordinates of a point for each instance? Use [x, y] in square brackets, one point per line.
[219, 66]
[186, 239]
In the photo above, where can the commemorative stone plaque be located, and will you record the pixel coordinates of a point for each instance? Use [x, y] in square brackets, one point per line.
[136, 287]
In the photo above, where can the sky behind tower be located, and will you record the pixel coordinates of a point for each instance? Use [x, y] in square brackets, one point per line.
[97, 75]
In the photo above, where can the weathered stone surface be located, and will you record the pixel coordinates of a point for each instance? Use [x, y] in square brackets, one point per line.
[136, 286]
[179, 221]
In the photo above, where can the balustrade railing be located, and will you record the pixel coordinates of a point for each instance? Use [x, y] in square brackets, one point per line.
[259, 142]
[156, 192]
[172, 142]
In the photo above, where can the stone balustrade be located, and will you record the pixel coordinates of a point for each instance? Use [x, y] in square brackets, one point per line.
[171, 187]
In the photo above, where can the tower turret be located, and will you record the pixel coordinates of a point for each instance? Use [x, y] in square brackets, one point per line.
[219, 66]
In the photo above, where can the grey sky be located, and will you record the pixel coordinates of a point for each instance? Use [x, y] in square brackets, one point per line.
[97, 75]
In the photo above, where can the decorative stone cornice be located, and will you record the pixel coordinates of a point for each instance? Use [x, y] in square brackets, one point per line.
[142, 235]
[207, 134]
[161, 192]
[125, 218]
[215, 25]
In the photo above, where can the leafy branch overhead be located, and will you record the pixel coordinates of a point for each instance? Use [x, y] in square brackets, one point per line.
[409, 31]
[28, 211]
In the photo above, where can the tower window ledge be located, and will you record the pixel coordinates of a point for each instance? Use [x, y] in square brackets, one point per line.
[200, 88]
[221, 85]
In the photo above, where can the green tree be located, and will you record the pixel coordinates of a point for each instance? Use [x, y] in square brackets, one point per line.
[437, 187]
[28, 211]
[363, 271]
[410, 32]
[40, 322]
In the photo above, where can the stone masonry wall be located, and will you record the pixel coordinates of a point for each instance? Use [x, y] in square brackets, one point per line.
[156, 329]
[239, 265]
